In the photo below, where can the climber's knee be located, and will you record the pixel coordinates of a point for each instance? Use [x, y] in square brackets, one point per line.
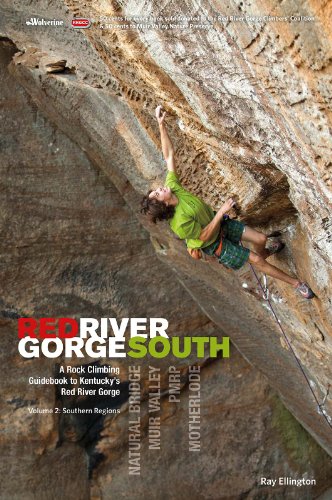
[262, 239]
[254, 236]
[255, 259]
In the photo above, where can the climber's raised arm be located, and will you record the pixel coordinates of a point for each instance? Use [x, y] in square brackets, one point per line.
[166, 144]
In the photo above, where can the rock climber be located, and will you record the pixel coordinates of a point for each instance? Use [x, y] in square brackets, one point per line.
[207, 231]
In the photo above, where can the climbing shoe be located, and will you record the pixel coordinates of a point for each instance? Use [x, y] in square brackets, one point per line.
[275, 247]
[304, 290]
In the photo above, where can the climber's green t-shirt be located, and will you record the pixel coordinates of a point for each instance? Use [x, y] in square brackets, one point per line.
[191, 214]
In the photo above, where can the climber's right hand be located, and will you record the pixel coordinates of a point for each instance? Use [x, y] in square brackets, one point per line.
[195, 253]
[226, 206]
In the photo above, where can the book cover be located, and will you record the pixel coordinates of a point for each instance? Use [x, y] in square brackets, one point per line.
[165, 250]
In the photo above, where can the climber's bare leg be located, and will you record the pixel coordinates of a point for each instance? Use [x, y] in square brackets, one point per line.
[261, 265]
[257, 239]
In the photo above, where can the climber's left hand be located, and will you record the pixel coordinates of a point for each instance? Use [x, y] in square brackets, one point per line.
[160, 114]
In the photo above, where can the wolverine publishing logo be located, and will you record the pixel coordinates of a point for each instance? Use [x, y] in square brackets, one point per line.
[35, 21]
[81, 22]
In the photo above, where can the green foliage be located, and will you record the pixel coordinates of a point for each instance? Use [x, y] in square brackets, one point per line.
[300, 446]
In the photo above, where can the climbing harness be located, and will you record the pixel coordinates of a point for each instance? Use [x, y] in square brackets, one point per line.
[265, 291]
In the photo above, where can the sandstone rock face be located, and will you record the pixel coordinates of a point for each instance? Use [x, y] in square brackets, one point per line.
[235, 398]
[249, 113]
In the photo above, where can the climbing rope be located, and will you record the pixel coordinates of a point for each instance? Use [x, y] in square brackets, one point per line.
[320, 406]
